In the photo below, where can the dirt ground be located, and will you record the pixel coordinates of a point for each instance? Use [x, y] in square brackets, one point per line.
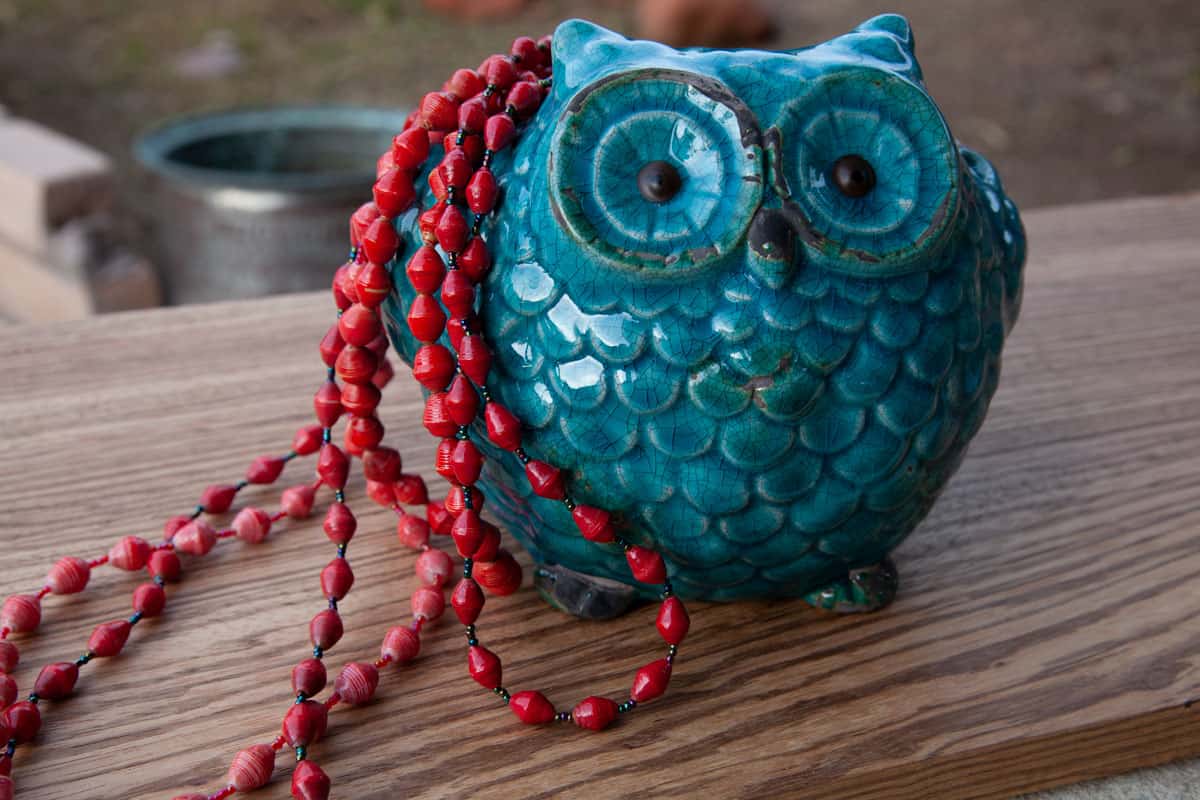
[1074, 100]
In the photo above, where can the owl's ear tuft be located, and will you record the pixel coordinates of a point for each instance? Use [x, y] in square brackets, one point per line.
[894, 25]
[580, 48]
[886, 40]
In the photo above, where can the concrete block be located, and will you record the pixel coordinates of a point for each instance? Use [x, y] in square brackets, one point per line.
[47, 179]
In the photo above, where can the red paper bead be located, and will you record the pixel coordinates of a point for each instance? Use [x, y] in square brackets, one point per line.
[545, 479]
[374, 285]
[454, 328]
[436, 418]
[362, 219]
[164, 564]
[434, 567]
[489, 543]
[21, 612]
[307, 440]
[217, 498]
[332, 466]
[331, 345]
[382, 464]
[56, 681]
[325, 629]
[458, 294]
[499, 72]
[384, 164]
[441, 459]
[455, 169]
[594, 713]
[23, 721]
[433, 367]
[428, 603]
[297, 501]
[437, 185]
[426, 269]
[464, 83]
[500, 576]
[8, 695]
[673, 621]
[532, 708]
[647, 566]
[251, 768]
[411, 490]
[361, 399]
[439, 111]
[305, 723]
[466, 462]
[309, 782]
[524, 51]
[472, 116]
[594, 524]
[503, 429]
[467, 600]
[452, 229]
[481, 191]
[380, 241]
[149, 599]
[131, 552]
[410, 149]
[10, 656]
[475, 260]
[309, 677]
[394, 194]
[354, 365]
[651, 680]
[364, 433]
[426, 319]
[359, 325]
[498, 132]
[400, 645]
[172, 526]
[523, 99]
[327, 404]
[474, 358]
[383, 375]
[338, 285]
[265, 469]
[484, 666]
[251, 525]
[196, 538]
[336, 579]
[7, 790]
[108, 638]
[462, 403]
[412, 531]
[68, 575]
[340, 523]
[356, 683]
[440, 519]
[467, 532]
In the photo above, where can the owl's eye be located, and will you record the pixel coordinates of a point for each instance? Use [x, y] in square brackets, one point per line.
[853, 176]
[872, 168]
[649, 170]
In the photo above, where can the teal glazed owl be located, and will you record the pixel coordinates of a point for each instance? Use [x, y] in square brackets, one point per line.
[750, 302]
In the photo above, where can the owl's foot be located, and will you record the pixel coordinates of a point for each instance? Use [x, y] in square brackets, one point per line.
[583, 595]
[866, 589]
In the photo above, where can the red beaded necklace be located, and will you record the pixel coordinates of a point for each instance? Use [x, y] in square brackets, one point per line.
[476, 115]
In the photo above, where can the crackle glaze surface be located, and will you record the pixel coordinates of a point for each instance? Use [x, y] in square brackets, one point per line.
[768, 380]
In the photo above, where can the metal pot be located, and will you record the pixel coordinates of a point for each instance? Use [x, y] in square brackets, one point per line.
[248, 203]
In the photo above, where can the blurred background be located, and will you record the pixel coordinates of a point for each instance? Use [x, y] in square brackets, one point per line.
[1074, 101]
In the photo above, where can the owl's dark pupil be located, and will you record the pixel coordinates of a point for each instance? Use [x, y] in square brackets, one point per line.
[853, 175]
[659, 181]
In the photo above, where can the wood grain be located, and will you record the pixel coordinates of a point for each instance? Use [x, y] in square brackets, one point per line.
[1047, 631]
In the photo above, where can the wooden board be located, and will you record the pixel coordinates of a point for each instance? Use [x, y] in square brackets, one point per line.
[1047, 631]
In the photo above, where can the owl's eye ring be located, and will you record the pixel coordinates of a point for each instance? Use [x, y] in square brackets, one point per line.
[853, 175]
[656, 171]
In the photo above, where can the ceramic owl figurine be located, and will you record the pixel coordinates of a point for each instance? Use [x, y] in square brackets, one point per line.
[752, 303]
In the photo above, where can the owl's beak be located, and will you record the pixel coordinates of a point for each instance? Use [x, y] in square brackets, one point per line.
[772, 240]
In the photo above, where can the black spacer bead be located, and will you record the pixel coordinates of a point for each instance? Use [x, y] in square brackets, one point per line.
[472, 642]
[301, 753]
[317, 651]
